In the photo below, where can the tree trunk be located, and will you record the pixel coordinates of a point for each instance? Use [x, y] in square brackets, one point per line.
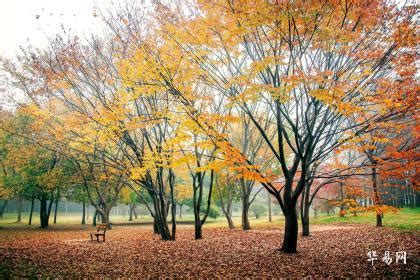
[31, 210]
[105, 217]
[48, 212]
[160, 212]
[156, 229]
[290, 231]
[43, 212]
[84, 213]
[130, 216]
[417, 199]
[245, 215]
[3, 207]
[173, 235]
[377, 199]
[342, 199]
[228, 215]
[95, 215]
[305, 212]
[270, 219]
[55, 209]
[134, 211]
[230, 222]
[198, 229]
[19, 216]
[305, 222]
[245, 193]
[180, 211]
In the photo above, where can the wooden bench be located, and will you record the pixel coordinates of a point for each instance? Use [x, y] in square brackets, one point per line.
[100, 231]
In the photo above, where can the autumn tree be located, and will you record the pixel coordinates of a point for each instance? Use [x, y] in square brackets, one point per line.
[316, 65]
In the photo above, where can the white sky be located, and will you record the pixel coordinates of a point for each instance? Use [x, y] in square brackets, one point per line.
[19, 24]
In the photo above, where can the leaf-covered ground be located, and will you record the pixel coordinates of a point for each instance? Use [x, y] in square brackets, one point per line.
[135, 252]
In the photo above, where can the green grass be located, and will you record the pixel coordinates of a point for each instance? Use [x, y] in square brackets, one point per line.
[406, 219]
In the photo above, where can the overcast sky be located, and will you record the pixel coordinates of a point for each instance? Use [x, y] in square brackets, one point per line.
[31, 21]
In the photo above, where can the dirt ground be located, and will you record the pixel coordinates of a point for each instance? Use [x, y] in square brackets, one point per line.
[129, 251]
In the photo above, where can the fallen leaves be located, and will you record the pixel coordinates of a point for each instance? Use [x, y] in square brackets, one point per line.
[135, 251]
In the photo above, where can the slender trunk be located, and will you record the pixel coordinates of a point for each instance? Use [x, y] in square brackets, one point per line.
[19, 217]
[173, 235]
[55, 209]
[245, 215]
[228, 215]
[180, 211]
[305, 212]
[160, 221]
[377, 199]
[173, 204]
[43, 212]
[130, 217]
[156, 229]
[134, 211]
[270, 219]
[198, 233]
[413, 197]
[290, 230]
[87, 212]
[342, 199]
[83, 213]
[95, 215]
[245, 205]
[31, 210]
[230, 222]
[49, 208]
[417, 199]
[3, 207]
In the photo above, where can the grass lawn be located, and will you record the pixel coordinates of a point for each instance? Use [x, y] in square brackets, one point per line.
[406, 219]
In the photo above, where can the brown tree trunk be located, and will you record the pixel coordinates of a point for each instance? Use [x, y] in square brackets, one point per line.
[19, 216]
[377, 198]
[245, 193]
[3, 207]
[228, 215]
[31, 211]
[83, 213]
[270, 218]
[342, 199]
[290, 231]
[134, 211]
[305, 222]
[130, 217]
[198, 229]
[42, 212]
[55, 209]
[95, 217]
[156, 229]
[245, 215]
